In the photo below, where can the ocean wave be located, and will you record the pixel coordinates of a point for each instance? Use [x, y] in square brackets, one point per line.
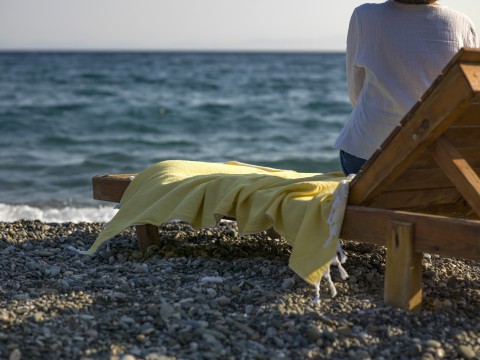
[9, 213]
[60, 140]
[122, 112]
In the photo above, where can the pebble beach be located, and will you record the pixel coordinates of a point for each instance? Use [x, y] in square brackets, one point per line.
[214, 294]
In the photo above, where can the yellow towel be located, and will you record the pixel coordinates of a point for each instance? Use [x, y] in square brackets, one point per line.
[297, 205]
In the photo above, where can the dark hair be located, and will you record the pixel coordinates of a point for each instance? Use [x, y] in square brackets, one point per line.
[416, 2]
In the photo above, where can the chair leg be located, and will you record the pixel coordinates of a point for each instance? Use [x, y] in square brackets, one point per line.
[403, 273]
[147, 235]
[273, 234]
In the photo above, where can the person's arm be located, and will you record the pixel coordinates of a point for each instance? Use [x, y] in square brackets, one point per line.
[355, 74]
[473, 40]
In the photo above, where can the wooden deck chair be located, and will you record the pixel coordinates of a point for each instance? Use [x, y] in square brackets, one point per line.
[419, 189]
[419, 193]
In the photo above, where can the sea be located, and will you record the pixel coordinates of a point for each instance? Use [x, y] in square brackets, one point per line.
[67, 116]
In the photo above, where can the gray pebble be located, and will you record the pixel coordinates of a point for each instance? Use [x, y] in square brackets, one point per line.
[53, 271]
[249, 309]
[8, 250]
[153, 310]
[140, 268]
[313, 334]
[212, 280]
[16, 354]
[223, 300]
[211, 292]
[146, 329]
[288, 283]
[44, 253]
[127, 320]
[166, 310]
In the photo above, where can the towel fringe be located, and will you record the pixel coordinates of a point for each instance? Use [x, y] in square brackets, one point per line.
[335, 220]
[337, 261]
[337, 212]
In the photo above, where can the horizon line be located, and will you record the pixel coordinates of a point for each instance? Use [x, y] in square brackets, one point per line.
[60, 50]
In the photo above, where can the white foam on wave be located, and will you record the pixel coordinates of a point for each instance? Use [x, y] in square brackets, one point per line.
[9, 213]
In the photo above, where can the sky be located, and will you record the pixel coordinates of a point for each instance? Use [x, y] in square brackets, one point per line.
[285, 25]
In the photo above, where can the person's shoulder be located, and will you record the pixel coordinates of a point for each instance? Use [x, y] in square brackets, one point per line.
[452, 14]
[368, 8]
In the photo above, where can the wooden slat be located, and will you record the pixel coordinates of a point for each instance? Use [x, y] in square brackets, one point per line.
[403, 269]
[459, 210]
[110, 187]
[433, 234]
[470, 117]
[417, 179]
[472, 73]
[424, 162]
[464, 136]
[467, 55]
[470, 154]
[458, 170]
[450, 98]
[414, 198]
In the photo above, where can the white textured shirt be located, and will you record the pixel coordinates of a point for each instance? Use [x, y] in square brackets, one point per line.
[394, 52]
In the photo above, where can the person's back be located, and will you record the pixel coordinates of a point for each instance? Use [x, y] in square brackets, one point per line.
[394, 52]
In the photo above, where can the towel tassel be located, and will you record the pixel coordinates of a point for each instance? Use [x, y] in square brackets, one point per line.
[338, 260]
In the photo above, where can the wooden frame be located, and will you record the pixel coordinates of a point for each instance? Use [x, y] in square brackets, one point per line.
[428, 166]
[420, 192]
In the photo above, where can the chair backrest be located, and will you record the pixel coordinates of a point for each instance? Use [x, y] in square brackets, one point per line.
[431, 161]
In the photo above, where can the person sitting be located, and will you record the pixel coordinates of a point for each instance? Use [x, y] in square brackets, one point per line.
[395, 50]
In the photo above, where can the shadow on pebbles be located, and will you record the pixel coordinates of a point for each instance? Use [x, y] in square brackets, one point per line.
[213, 294]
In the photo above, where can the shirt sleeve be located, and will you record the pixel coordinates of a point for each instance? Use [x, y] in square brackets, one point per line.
[355, 74]
[473, 40]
